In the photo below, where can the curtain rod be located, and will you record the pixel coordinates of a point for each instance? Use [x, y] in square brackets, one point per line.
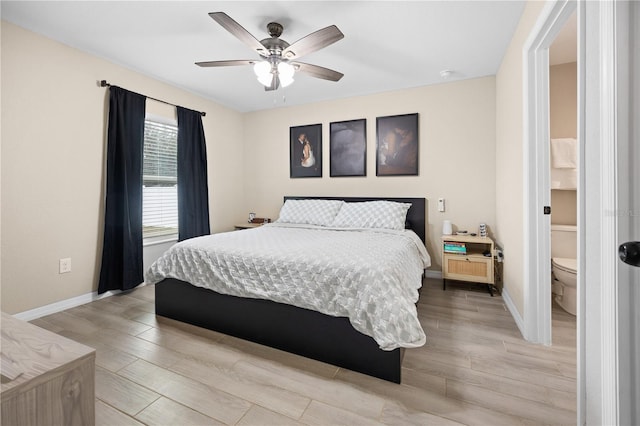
[103, 83]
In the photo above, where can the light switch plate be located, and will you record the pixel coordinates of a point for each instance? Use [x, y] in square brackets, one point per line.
[440, 204]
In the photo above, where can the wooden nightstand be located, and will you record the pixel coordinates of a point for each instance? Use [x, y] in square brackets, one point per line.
[247, 225]
[473, 265]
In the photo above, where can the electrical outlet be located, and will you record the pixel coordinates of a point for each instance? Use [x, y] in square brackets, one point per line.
[65, 265]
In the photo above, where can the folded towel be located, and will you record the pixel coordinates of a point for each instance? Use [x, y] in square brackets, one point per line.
[564, 153]
[564, 178]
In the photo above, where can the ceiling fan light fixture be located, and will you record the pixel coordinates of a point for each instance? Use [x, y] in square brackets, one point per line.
[266, 80]
[285, 72]
[262, 70]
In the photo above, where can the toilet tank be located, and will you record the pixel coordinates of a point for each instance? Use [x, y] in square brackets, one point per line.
[564, 241]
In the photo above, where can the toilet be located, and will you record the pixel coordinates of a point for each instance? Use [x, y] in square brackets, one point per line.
[564, 265]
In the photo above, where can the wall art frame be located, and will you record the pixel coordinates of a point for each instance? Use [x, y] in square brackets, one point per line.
[348, 148]
[305, 151]
[397, 145]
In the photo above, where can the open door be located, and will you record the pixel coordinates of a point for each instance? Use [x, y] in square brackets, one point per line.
[609, 339]
[628, 74]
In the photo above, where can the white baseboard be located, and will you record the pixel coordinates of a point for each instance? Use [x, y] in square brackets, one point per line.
[64, 304]
[433, 274]
[513, 311]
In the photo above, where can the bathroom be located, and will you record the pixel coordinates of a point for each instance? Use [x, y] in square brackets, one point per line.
[563, 150]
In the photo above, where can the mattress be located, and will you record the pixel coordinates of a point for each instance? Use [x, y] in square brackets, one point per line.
[371, 276]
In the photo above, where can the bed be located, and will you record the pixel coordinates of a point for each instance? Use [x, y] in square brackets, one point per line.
[301, 330]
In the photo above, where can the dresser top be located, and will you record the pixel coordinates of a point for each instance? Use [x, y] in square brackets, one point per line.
[33, 351]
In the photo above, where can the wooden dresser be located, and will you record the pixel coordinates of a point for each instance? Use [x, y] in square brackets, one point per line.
[56, 381]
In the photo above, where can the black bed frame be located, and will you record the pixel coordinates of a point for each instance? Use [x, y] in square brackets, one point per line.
[292, 329]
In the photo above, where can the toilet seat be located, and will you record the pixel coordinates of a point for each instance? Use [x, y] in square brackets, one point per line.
[565, 264]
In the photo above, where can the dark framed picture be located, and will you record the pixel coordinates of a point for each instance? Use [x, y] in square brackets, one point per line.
[305, 151]
[348, 148]
[397, 145]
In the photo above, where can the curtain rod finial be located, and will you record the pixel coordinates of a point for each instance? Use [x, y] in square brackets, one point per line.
[103, 83]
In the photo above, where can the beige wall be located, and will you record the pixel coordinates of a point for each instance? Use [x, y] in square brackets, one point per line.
[53, 143]
[564, 207]
[509, 161]
[563, 113]
[563, 100]
[457, 153]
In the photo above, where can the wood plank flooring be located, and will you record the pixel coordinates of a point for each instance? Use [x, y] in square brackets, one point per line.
[475, 369]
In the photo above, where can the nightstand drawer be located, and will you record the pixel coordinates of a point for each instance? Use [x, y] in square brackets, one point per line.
[468, 268]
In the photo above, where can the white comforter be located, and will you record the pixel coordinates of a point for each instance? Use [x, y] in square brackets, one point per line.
[370, 276]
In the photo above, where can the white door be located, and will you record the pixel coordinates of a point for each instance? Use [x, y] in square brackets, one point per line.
[609, 339]
[628, 41]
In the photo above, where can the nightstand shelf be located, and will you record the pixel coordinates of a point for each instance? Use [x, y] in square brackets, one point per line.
[473, 265]
[247, 225]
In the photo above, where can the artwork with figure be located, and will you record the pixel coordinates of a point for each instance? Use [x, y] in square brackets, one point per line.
[397, 145]
[348, 148]
[305, 151]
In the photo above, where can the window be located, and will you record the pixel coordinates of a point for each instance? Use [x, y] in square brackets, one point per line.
[160, 179]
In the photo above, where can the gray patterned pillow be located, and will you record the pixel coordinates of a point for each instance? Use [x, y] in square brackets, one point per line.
[372, 214]
[311, 212]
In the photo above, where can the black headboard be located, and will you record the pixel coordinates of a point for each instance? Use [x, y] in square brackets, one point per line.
[415, 215]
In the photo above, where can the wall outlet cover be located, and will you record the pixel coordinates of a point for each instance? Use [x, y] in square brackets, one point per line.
[65, 265]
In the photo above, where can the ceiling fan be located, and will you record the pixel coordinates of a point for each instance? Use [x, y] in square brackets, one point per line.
[279, 59]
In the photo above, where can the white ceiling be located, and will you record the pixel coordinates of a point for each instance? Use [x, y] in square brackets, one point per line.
[388, 45]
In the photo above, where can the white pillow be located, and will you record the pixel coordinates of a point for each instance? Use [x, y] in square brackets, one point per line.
[311, 212]
[372, 214]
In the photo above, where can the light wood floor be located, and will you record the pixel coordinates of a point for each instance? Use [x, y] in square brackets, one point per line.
[474, 370]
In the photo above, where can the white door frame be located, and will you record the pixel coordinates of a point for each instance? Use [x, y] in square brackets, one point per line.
[537, 230]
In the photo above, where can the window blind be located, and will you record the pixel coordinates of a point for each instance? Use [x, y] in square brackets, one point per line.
[160, 180]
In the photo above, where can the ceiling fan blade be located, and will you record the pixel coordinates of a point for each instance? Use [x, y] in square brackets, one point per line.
[239, 32]
[225, 63]
[275, 83]
[314, 41]
[317, 71]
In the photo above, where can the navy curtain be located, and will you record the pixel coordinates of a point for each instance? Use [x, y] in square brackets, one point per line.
[122, 248]
[193, 193]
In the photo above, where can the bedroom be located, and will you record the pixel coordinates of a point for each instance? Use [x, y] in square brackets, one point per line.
[51, 169]
[248, 169]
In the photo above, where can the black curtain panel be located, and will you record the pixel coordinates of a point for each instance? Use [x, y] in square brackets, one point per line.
[122, 248]
[193, 193]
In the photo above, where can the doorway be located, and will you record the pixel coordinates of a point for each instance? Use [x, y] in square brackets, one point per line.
[563, 139]
[537, 325]
[537, 321]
